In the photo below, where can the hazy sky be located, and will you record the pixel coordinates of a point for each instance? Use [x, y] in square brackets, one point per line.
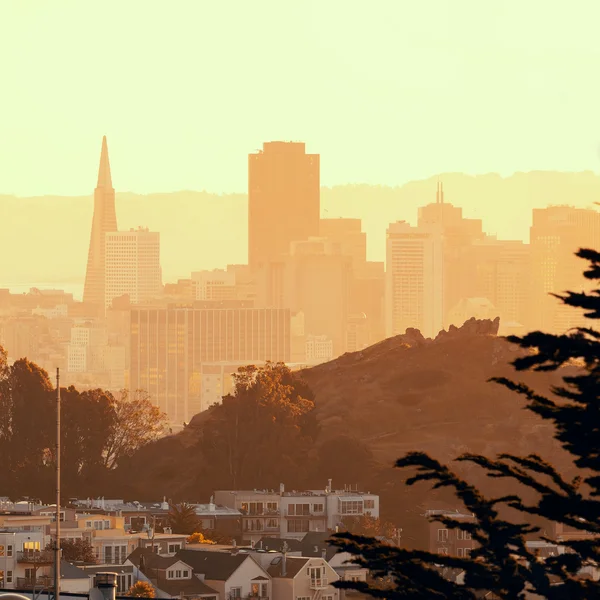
[386, 90]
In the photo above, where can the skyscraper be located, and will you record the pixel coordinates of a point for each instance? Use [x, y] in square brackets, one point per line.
[283, 200]
[132, 266]
[557, 232]
[414, 279]
[104, 221]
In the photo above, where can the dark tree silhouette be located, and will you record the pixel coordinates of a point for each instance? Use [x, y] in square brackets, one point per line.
[502, 563]
[182, 518]
[79, 550]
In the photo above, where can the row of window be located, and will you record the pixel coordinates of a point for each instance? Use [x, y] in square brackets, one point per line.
[178, 574]
[442, 535]
[460, 552]
[5, 578]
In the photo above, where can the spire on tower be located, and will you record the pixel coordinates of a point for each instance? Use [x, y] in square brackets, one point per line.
[104, 178]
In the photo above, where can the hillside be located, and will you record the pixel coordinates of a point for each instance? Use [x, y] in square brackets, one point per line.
[405, 393]
[200, 230]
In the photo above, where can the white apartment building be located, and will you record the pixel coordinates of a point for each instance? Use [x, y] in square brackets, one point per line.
[319, 348]
[414, 279]
[294, 514]
[22, 557]
[217, 284]
[132, 265]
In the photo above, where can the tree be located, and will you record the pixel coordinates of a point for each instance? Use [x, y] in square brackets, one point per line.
[79, 550]
[271, 407]
[502, 563]
[369, 526]
[137, 423]
[142, 589]
[182, 518]
[199, 538]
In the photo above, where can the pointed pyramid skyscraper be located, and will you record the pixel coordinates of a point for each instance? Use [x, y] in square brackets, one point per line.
[104, 221]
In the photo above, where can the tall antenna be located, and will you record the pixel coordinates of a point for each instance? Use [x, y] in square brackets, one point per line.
[57, 539]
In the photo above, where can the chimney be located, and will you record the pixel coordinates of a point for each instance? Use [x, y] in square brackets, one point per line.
[328, 488]
[107, 584]
[164, 504]
[281, 489]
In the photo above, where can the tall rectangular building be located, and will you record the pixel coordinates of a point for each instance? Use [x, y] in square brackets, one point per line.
[414, 279]
[132, 266]
[170, 345]
[283, 200]
[556, 234]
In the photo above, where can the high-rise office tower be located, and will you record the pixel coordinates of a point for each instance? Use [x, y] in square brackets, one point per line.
[414, 279]
[283, 200]
[104, 221]
[169, 347]
[556, 234]
[132, 265]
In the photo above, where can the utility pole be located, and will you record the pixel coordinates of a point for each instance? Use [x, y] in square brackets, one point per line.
[57, 537]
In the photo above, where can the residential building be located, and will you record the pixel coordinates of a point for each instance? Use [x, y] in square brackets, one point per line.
[170, 345]
[414, 279]
[170, 576]
[23, 559]
[453, 542]
[132, 266]
[104, 221]
[295, 578]
[319, 348]
[283, 200]
[294, 514]
[232, 574]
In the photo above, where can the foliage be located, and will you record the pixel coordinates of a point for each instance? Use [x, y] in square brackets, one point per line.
[270, 408]
[137, 423]
[199, 538]
[79, 550]
[502, 563]
[369, 526]
[182, 518]
[97, 430]
[141, 589]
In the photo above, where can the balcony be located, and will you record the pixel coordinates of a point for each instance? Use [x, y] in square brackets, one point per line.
[28, 583]
[318, 584]
[266, 512]
[306, 515]
[38, 557]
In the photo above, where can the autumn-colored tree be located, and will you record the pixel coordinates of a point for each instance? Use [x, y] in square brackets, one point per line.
[199, 538]
[137, 422]
[369, 526]
[270, 408]
[182, 518]
[141, 589]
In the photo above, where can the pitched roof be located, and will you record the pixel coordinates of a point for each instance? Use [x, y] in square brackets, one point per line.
[293, 565]
[315, 542]
[150, 559]
[69, 571]
[276, 543]
[219, 566]
[188, 587]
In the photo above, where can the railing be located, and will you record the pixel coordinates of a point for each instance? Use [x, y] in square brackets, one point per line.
[265, 512]
[36, 556]
[318, 584]
[27, 583]
[308, 515]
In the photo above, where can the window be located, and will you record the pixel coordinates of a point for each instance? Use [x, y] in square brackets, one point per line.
[442, 550]
[9, 576]
[351, 507]
[297, 526]
[318, 508]
[9, 550]
[459, 535]
[302, 598]
[369, 503]
[467, 535]
[272, 507]
[170, 574]
[467, 552]
[173, 548]
[88, 524]
[237, 593]
[186, 574]
[298, 509]
[442, 535]
[460, 552]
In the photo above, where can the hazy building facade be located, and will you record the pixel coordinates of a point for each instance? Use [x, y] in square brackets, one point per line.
[557, 233]
[132, 266]
[283, 200]
[414, 279]
[104, 221]
[217, 284]
[170, 345]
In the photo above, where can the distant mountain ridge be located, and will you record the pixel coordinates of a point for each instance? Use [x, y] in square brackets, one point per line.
[46, 238]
